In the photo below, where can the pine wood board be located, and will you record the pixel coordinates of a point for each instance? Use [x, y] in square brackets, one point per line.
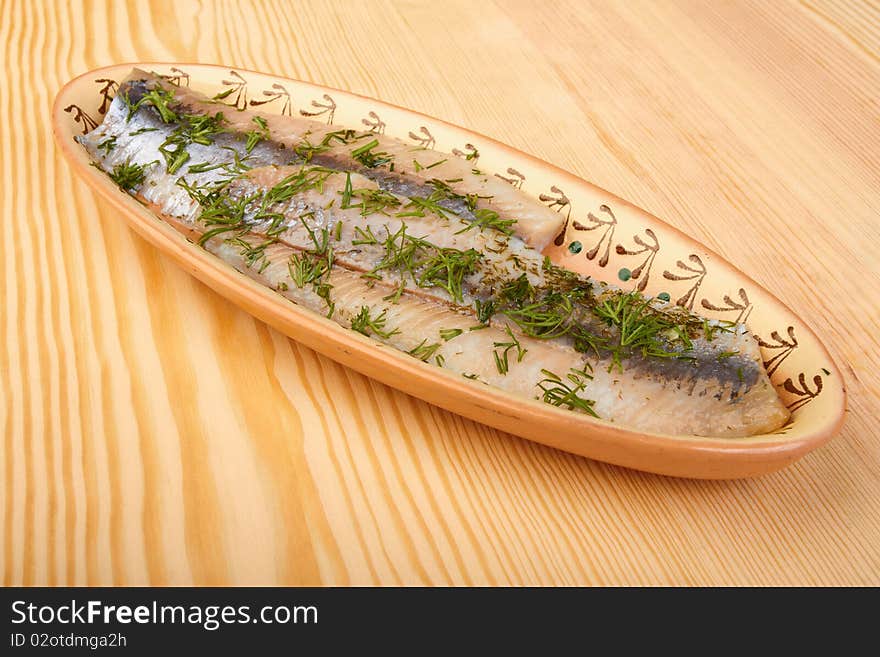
[155, 434]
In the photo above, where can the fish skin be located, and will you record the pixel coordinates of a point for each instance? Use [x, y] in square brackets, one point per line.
[538, 224]
[703, 397]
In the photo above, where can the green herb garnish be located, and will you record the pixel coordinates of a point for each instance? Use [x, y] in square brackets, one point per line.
[364, 323]
[159, 98]
[108, 144]
[484, 218]
[364, 236]
[193, 129]
[128, 176]
[449, 334]
[640, 328]
[424, 351]
[365, 155]
[501, 358]
[446, 269]
[346, 191]
[559, 392]
[258, 134]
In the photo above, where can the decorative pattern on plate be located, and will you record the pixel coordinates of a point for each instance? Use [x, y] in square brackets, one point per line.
[803, 392]
[108, 91]
[516, 179]
[274, 93]
[80, 116]
[557, 200]
[177, 76]
[237, 86]
[780, 345]
[374, 123]
[695, 273]
[608, 223]
[425, 139]
[470, 152]
[328, 107]
[744, 306]
[645, 267]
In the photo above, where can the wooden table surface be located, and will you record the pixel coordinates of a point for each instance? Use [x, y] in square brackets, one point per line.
[155, 434]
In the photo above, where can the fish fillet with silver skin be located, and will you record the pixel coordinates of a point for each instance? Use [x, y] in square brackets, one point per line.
[423, 251]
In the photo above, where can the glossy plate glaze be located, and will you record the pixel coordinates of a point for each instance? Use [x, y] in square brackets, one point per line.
[603, 236]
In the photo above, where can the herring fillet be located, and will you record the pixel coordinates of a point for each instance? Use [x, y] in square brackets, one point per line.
[717, 387]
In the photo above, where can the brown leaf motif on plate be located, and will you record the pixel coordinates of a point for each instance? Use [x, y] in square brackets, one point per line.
[802, 390]
[107, 91]
[176, 77]
[696, 272]
[649, 246]
[743, 305]
[516, 178]
[374, 123]
[607, 223]
[236, 87]
[469, 153]
[274, 93]
[80, 116]
[424, 138]
[327, 107]
[783, 346]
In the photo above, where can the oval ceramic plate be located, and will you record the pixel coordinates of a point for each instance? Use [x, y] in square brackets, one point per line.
[604, 237]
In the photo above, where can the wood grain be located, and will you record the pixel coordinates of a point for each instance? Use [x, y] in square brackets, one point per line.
[154, 434]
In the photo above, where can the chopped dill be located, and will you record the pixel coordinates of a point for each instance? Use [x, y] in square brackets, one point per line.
[254, 255]
[308, 268]
[372, 201]
[717, 326]
[341, 136]
[307, 150]
[364, 323]
[258, 134]
[559, 392]
[424, 351]
[346, 191]
[640, 328]
[517, 292]
[108, 144]
[128, 176]
[192, 129]
[159, 98]
[449, 334]
[446, 268]
[548, 317]
[419, 205]
[501, 358]
[364, 236]
[484, 310]
[394, 297]
[473, 154]
[484, 218]
[365, 155]
[203, 167]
